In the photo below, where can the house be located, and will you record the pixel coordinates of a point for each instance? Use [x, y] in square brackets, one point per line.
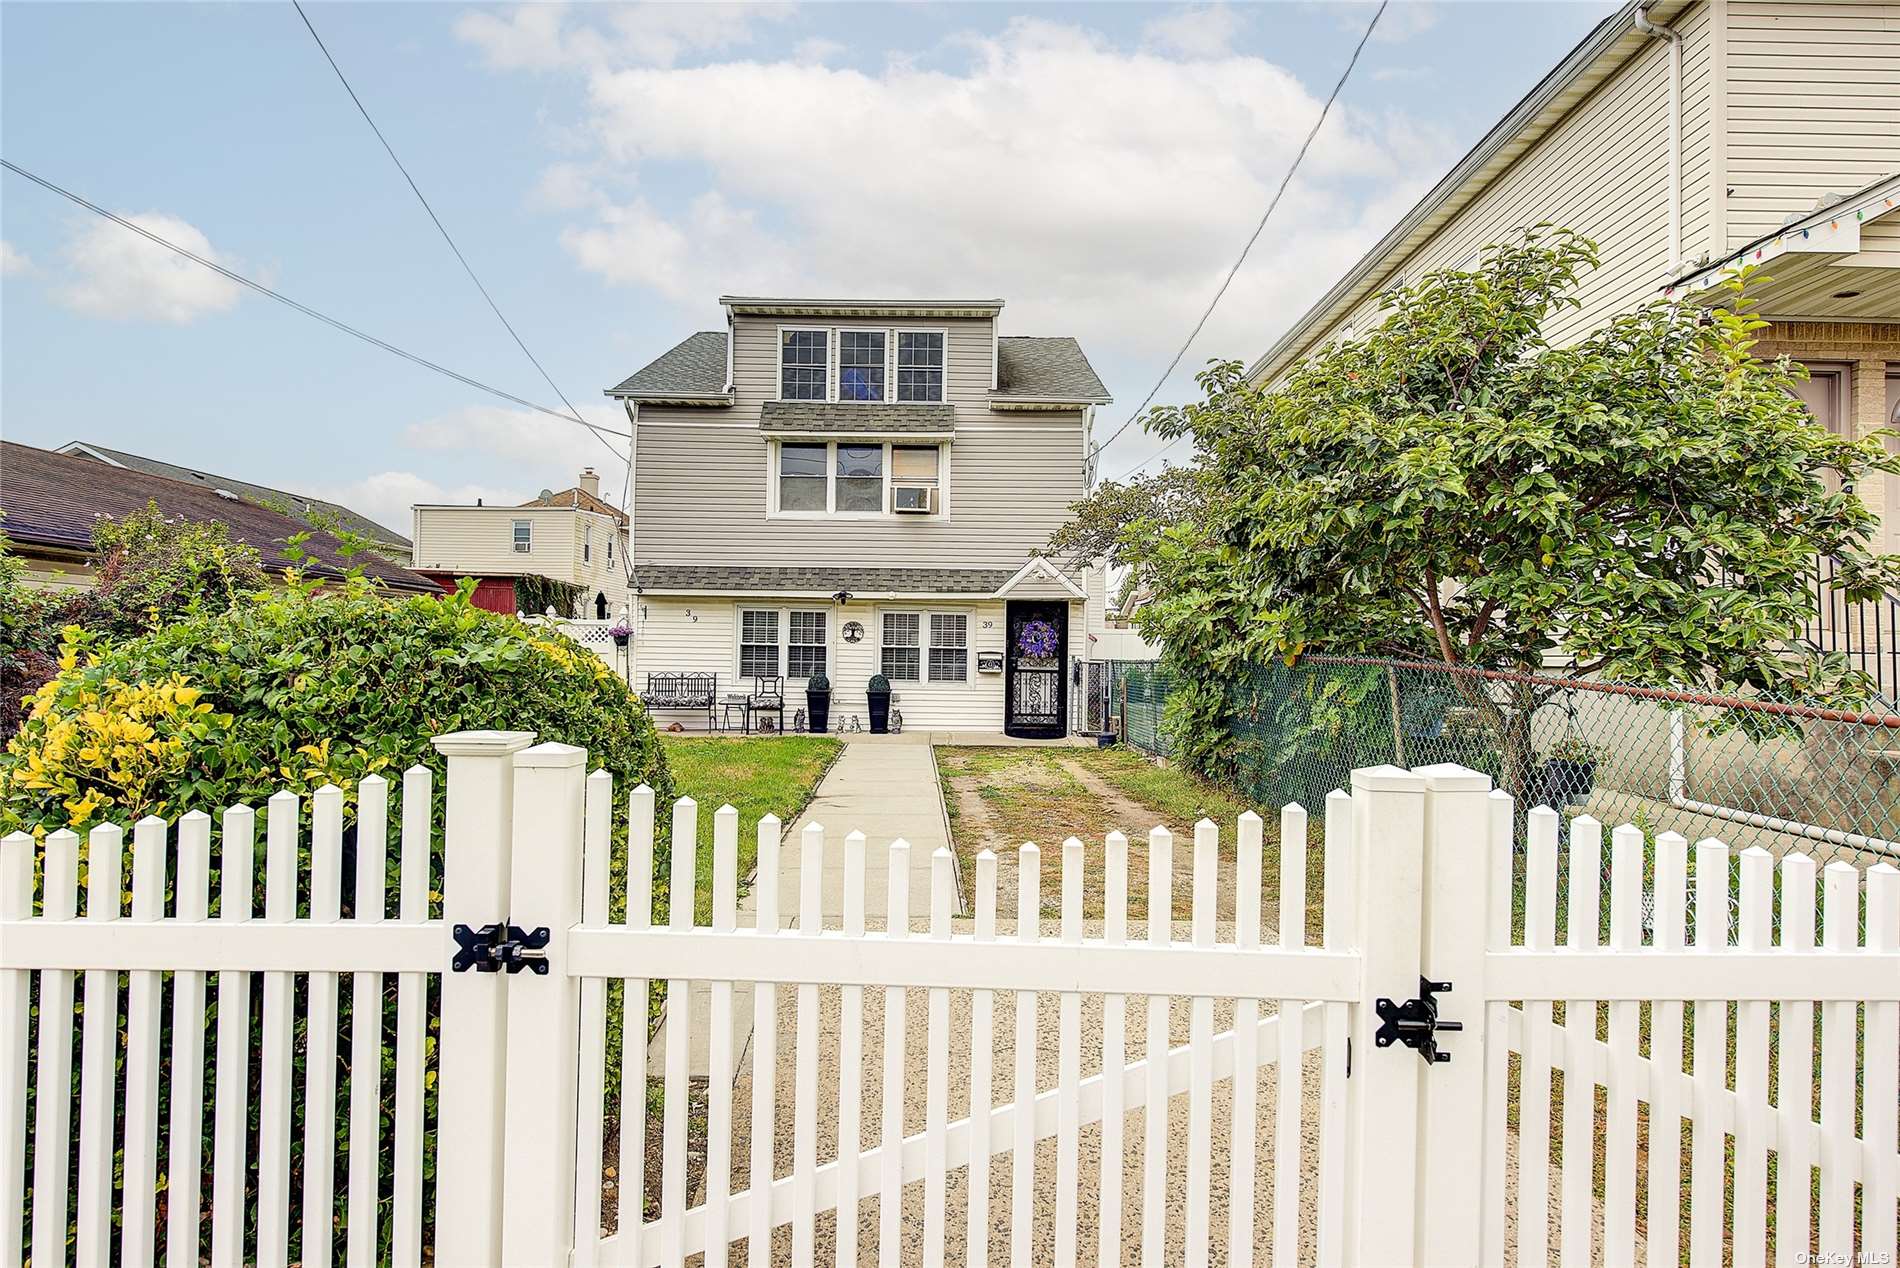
[572, 536]
[851, 487]
[51, 501]
[308, 511]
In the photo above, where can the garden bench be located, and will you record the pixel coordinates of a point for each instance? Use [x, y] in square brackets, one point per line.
[684, 691]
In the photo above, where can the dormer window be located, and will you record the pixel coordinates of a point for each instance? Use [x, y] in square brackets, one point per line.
[803, 355]
[919, 365]
[860, 365]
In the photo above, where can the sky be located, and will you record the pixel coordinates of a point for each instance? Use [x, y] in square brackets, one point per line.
[610, 170]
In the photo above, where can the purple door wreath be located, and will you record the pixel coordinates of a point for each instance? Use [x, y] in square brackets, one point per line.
[1036, 640]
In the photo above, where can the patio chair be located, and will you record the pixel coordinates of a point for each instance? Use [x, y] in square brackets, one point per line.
[768, 696]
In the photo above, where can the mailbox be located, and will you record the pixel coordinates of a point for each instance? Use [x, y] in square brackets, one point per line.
[989, 662]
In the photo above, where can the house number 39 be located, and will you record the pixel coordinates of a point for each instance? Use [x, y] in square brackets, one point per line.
[989, 625]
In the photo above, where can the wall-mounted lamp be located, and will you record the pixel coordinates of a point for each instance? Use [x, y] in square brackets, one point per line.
[842, 597]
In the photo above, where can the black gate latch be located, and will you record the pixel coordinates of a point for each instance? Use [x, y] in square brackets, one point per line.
[492, 948]
[1415, 1023]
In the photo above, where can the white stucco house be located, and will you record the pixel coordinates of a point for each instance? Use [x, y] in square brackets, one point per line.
[853, 487]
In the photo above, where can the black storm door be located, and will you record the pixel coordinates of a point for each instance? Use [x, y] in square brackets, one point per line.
[1035, 704]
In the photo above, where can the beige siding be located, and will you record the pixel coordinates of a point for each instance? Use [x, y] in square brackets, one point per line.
[1699, 148]
[479, 541]
[702, 492]
[1813, 105]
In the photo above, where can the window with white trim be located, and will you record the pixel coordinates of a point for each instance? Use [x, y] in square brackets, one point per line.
[587, 543]
[860, 365]
[806, 653]
[802, 483]
[949, 647]
[758, 643]
[846, 478]
[803, 356]
[903, 646]
[920, 365]
[860, 486]
[524, 536]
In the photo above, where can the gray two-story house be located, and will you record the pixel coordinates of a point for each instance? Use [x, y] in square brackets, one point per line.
[851, 487]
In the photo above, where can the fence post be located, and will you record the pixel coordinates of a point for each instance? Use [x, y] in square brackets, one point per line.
[1388, 836]
[1458, 872]
[544, 1041]
[471, 1058]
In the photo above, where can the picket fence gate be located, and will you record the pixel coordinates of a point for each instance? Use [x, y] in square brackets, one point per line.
[1413, 1113]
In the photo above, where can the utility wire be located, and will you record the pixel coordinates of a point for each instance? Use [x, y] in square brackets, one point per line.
[440, 228]
[1258, 229]
[305, 309]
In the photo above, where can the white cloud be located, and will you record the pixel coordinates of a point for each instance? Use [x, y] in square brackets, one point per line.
[1203, 32]
[117, 274]
[540, 451]
[539, 36]
[1403, 20]
[13, 260]
[1103, 192]
[387, 496]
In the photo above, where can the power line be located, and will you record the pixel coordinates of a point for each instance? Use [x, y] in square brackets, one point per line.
[440, 228]
[305, 309]
[1255, 237]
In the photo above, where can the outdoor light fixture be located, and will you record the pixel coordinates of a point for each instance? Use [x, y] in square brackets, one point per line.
[842, 597]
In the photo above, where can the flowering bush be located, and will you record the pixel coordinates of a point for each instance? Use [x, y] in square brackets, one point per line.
[1037, 639]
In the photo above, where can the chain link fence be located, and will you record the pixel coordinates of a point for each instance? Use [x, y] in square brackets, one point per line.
[1751, 772]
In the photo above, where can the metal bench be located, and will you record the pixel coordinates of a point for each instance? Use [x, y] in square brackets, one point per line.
[684, 691]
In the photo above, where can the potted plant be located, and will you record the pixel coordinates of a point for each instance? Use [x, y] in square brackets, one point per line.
[621, 632]
[818, 703]
[1570, 771]
[878, 698]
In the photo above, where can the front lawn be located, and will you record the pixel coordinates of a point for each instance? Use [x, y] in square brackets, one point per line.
[756, 776]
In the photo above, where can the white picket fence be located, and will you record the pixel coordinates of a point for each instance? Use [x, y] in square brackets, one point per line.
[1408, 1160]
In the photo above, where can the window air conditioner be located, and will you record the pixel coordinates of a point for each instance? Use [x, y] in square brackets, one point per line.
[913, 499]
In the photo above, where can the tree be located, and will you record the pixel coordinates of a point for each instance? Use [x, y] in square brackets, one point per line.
[1648, 502]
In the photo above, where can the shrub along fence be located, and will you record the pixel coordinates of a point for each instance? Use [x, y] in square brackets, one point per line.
[1751, 771]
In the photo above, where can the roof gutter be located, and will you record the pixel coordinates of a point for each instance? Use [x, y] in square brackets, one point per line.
[1607, 33]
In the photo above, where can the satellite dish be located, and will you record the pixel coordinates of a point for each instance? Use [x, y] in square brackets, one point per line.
[546, 494]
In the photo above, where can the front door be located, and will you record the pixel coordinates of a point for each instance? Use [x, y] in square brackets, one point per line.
[1035, 702]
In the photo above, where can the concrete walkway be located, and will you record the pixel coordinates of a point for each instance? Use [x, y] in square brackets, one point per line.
[883, 786]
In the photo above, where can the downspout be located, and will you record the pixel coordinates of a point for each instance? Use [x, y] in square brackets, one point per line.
[1680, 799]
[633, 593]
[1646, 27]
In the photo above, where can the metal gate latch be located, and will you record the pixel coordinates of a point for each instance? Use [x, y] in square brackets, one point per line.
[492, 948]
[1414, 1022]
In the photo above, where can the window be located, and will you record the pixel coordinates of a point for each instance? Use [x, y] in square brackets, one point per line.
[802, 356]
[915, 464]
[801, 478]
[758, 643]
[524, 536]
[949, 647]
[587, 543]
[807, 652]
[860, 478]
[902, 650]
[919, 365]
[860, 365]
[610, 548]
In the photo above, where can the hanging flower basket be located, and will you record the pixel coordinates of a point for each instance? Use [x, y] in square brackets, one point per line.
[1037, 640]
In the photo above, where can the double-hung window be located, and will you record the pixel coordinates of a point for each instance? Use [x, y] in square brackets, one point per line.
[919, 365]
[903, 646]
[802, 485]
[807, 651]
[949, 647]
[803, 355]
[524, 536]
[587, 543]
[860, 365]
[758, 643]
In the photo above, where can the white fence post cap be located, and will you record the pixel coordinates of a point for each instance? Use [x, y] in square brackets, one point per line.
[551, 755]
[1387, 779]
[482, 743]
[1451, 777]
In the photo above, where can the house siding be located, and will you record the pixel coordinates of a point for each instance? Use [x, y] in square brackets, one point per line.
[1813, 105]
[478, 542]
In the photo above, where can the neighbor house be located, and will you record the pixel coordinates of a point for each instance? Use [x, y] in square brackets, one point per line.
[572, 535]
[851, 487]
[1688, 139]
[50, 502]
[306, 510]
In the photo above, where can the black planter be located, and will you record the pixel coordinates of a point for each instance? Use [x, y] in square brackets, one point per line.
[620, 640]
[818, 710]
[879, 703]
[1567, 780]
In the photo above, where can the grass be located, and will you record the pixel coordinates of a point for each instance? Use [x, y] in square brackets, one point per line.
[755, 776]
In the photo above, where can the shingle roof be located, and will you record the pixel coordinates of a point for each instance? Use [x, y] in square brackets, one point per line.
[696, 366]
[662, 578]
[52, 499]
[1046, 368]
[848, 416]
[295, 505]
[580, 499]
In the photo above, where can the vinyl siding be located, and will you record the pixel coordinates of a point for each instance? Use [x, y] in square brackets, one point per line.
[1813, 105]
[701, 636]
[479, 541]
[1603, 171]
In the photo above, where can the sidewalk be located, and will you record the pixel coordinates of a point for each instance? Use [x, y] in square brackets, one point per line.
[886, 790]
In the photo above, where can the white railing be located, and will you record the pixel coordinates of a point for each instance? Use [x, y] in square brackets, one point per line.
[1409, 1161]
